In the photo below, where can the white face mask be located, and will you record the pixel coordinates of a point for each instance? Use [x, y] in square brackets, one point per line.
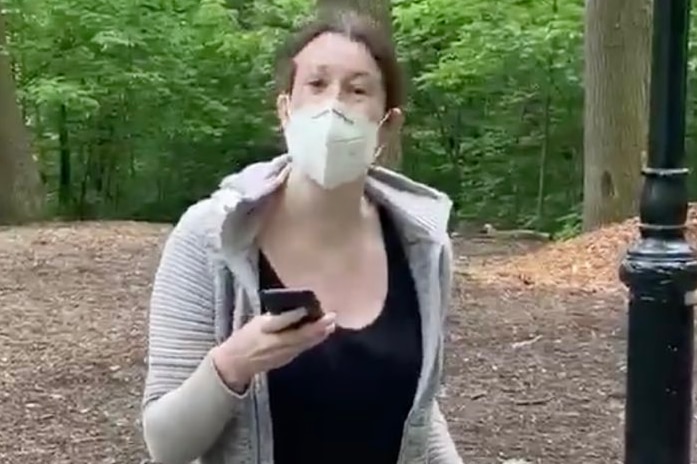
[331, 146]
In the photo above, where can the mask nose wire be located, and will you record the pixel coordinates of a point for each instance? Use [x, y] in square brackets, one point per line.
[342, 116]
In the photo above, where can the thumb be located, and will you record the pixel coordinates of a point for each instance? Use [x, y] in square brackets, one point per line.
[272, 323]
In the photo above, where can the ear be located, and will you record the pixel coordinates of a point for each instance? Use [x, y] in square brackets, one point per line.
[282, 108]
[396, 120]
[391, 126]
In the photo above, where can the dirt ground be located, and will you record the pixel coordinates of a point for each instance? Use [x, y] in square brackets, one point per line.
[533, 373]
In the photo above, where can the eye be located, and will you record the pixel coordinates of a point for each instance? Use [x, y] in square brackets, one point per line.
[360, 91]
[316, 83]
[360, 88]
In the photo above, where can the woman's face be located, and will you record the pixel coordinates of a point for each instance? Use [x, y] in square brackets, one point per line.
[334, 68]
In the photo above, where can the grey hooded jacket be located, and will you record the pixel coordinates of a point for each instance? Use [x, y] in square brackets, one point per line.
[208, 267]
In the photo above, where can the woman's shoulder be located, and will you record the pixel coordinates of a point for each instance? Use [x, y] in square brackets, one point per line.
[202, 222]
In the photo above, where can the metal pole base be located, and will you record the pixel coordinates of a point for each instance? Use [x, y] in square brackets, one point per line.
[661, 276]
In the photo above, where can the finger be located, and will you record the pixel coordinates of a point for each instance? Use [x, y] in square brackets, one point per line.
[316, 338]
[292, 343]
[311, 333]
[273, 323]
[328, 321]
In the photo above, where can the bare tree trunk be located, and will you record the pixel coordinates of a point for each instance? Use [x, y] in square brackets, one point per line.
[618, 63]
[380, 11]
[20, 184]
[65, 171]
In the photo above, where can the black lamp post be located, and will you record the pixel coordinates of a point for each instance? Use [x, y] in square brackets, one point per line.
[661, 270]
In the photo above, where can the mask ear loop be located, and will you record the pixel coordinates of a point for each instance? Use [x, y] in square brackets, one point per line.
[381, 148]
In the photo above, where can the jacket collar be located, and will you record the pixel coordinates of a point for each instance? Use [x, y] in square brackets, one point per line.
[421, 212]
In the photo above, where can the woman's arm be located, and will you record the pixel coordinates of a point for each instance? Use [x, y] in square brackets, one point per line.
[441, 448]
[186, 404]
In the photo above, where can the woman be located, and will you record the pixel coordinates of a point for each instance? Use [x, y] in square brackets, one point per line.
[229, 383]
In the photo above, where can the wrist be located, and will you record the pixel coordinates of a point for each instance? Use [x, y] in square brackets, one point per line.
[231, 370]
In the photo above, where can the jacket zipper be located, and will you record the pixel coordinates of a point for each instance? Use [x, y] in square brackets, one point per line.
[257, 430]
[252, 284]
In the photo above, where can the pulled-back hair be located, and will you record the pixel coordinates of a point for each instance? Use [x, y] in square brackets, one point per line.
[358, 28]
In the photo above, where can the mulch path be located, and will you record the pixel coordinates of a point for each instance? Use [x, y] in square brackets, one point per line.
[535, 364]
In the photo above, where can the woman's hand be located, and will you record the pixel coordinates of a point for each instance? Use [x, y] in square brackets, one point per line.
[262, 345]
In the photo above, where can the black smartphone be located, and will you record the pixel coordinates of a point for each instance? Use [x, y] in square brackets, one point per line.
[281, 300]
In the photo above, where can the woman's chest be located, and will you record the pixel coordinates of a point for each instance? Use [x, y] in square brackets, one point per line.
[364, 368]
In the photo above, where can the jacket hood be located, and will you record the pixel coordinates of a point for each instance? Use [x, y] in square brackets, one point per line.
[423, 210]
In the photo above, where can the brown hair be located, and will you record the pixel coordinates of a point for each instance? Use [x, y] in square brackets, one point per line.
[357, 28]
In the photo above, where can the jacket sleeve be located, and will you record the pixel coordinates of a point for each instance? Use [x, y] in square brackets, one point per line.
[186, 405]
[441, 447]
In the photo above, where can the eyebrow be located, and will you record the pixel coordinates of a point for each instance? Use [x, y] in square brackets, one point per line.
[323, 68]
[361, 74]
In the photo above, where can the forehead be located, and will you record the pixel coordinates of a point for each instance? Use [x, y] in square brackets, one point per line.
[332, 52]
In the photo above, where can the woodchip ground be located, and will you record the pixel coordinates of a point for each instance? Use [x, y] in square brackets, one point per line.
[535, 340]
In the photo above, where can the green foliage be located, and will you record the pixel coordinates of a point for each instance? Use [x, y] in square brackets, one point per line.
[151, 103]
[496, 84]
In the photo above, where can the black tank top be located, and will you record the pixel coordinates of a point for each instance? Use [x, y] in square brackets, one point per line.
[346, 401]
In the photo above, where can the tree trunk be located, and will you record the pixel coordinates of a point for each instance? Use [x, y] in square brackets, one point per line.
[380, 11]
[20, 184]
[65, 166]
[617, 72]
